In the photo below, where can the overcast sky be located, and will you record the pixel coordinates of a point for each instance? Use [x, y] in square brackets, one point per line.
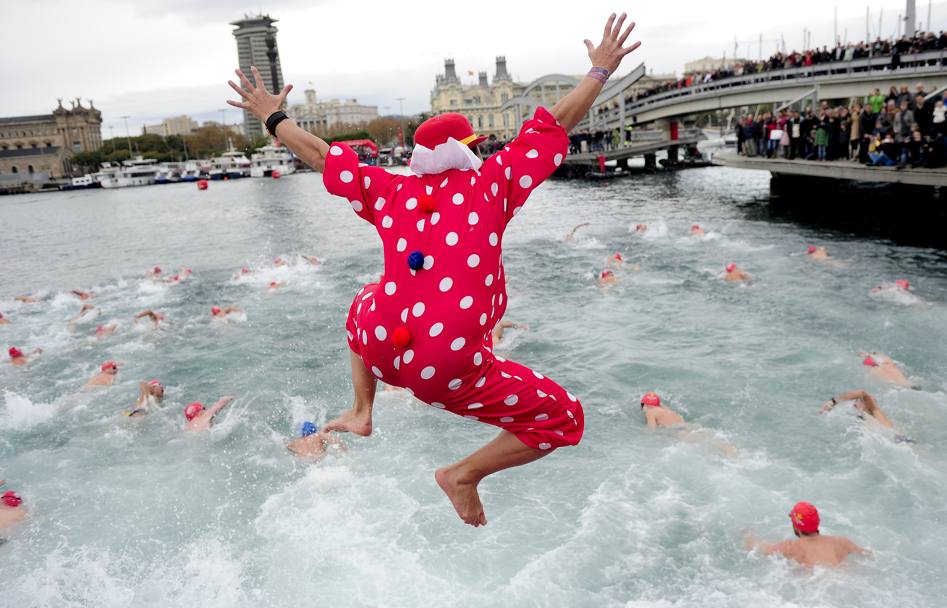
[157, 58]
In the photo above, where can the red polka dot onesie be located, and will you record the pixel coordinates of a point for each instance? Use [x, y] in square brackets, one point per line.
[443, 289]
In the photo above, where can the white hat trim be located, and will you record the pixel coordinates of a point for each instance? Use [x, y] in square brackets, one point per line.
[449, 155]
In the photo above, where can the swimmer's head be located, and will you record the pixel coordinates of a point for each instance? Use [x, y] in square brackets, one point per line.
[731, 267]
[11, 499]
[157, 388]
[1, 315]
[870, 361]
[110, 366]
[650, 399]
[641, 227]
[279, 261]
[244, 270]
[156, 270]
[215, 310]
[805, 519]
[618, 257]
[903, 284]
[308, 428]
[811, 249]
[695, 228]
[606, 274]
[187, 272]
[14, 352]
[192, 410]
[273, 284]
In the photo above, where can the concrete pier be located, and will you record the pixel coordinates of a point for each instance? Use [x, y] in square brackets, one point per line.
[837, 169]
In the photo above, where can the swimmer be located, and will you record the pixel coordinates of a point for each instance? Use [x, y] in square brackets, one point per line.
[18, 357]
[640, 228]
[86, 308]
[154, 273]
[659, 415]
[865, 404]
[4, 320]
[313, 260]
[105, 330]
[179, 277]
[735, 273]
[696, 230]
[11, 509]
[245, 271]
[502, 326]
[899, 286]
[614, 260]
[279, 261]
[883, 368]
[26, 299]
[200, 418]
[105, 376]
[810, 548]
[312, 443]
[83, 295]
[607, 277]
[221, 313]
[274, 285]
[150, 395]
[817, 253]
[156, 317]
[571, 236]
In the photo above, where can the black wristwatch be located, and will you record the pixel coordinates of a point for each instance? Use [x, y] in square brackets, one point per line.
[274, 119]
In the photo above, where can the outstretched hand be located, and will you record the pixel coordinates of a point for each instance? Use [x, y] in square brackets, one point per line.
[256, 99]
[609, 52]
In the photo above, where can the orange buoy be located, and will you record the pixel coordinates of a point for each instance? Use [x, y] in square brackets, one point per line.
[202, 184]
[275, 174]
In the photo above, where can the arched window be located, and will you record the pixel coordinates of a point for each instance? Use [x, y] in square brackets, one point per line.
[29, 169]
[13, 169]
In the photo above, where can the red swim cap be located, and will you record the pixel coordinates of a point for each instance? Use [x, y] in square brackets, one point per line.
[155, 383]
[192, 410]
[244, 270]
[870, 361]
[903, 284]
[606, 273]
[272, 283]
[11, 499]
[215, 310]
[695, 227]
[805, 518]
[651, 399]
[278, 260]
[156, 270]
[811, 249]
[618, 256]
[401, 337]
[731, 267]
[109, 365]
[15, 352]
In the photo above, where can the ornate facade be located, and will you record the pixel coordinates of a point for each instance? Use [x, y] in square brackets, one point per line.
[40, 147]
[321, 116]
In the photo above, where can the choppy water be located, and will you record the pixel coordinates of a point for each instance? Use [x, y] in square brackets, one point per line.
[131, 512]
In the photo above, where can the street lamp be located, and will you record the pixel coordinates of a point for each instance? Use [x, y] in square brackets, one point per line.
[128, 137]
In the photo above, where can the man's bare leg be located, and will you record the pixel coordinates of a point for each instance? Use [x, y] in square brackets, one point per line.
[357, 420]
[459, 480]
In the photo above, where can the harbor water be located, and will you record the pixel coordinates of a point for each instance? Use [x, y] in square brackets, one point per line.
[134, 512]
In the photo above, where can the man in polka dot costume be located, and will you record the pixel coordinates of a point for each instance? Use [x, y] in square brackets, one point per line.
[426, 325]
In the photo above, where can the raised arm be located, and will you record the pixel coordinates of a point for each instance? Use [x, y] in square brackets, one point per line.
[261, 103]
[608, 55]
[221, 404]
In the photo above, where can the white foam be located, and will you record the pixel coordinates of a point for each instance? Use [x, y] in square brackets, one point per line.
[19, 413]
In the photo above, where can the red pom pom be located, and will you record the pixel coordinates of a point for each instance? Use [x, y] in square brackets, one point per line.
[401, 337]
[427, 203]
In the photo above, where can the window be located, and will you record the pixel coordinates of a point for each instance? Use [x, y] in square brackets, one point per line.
[480, 122]
[77, 146]
[19, 146]
[504, 97]
[29, 169]
[33, 144]
[13, 169]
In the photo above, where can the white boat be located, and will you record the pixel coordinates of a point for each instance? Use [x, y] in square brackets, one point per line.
[230, 165]
[107, 175]
[168, 173]
[194, 170]
[135, 172]
[271, 158]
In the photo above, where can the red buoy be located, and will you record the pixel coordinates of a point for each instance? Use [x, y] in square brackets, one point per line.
[202, 184]
[275, 174]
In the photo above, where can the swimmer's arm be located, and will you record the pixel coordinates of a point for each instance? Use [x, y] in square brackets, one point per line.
[853, 548]
[608, 54]
[261, 103]
[221, 404]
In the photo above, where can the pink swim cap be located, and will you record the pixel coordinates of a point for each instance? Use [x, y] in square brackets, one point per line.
[870, 361]
[272, 283]
[811, 249]
[155, 383]
[11, 499]
[109, 365]
[244, 270]
[215, 310]
[156, 270]
[695, 227]
[903, 284]
[731, 267]
[192, 410]
[651, 399]
[15, 352]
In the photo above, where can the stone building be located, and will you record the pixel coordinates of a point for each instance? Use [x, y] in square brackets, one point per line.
[37, 148]
[176, 125]
[321, 116]
[256, 46]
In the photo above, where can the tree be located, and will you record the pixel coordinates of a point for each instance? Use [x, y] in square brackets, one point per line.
[384, 130]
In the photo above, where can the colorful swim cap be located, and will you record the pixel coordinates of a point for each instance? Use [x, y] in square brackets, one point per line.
[401, 336]
[618, 257]
[805, 518]
[606, 273]
[810, 249]
[244, 270]
[192, 410]
[307, 429]
[11, 499]
[272, 284]
[109, 365]
[870, 361]
[903, 284]
[731, 267]
[15, 352]
[695, 227]
[156, 383]
[279, 260]
[215, 310]
[651, 399]
[156, 270]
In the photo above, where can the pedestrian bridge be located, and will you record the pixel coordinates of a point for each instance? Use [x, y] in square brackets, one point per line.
[836, 80]
[642, 143]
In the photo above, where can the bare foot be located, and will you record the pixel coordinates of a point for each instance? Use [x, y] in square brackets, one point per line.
[463, 495]
[352, 422]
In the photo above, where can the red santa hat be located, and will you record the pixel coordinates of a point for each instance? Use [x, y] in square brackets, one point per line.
[445, 142]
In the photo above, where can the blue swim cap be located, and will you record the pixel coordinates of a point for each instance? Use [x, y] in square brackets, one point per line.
[307, 429]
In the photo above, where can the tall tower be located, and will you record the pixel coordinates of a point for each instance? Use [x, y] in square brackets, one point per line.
[256, 45]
